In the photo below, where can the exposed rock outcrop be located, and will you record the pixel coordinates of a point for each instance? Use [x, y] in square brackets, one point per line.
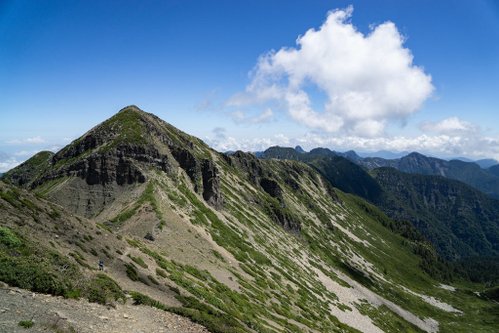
[188, 162]
[211, 184]
[249, 164]
[271, 187]
[283, 216]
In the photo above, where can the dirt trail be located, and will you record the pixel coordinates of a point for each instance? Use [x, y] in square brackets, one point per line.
[56, 314]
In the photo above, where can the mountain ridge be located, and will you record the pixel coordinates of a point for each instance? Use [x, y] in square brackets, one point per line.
[235, 243]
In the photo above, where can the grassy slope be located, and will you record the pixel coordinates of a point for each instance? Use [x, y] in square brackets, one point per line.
[251, 275]
[460, 221]
[274, 270]
[32, 256]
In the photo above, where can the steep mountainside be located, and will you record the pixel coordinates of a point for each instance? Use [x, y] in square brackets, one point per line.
[235, 243]
[46, 249]
[31, 169]
[494, 170]
[460, 221]
[110, 159]
[338, 170]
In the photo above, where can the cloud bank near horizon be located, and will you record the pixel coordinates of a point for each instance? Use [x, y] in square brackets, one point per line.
[450, 137]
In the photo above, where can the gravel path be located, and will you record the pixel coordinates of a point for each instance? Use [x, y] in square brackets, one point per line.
[56, 314]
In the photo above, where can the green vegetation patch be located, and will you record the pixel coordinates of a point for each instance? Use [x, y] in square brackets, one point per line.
[102, 289]
[139, 261]
[385, 319]
[215, 321]
[147, 196]
[30, 266]
[26, 323]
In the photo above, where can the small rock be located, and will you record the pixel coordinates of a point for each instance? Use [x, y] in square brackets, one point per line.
[125, 316]
[103, 318]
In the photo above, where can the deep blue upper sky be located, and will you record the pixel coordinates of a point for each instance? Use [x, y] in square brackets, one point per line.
[67, 65]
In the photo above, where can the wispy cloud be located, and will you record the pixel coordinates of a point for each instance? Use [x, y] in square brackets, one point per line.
[27, 141]
[25, 153]
[369, 80]
[208, 103]
[241, 117]
[223, 142]
[8, 163]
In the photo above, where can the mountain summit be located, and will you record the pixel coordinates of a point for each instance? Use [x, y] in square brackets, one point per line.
[116, 153]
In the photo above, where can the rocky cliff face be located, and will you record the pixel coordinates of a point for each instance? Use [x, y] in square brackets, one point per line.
[263, 176]
[121, 165]
[211, 184]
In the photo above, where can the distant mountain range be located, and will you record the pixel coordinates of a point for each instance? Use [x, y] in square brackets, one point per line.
[471, 173]
[468, 172]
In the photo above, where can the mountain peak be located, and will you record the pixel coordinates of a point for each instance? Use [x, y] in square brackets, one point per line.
[299, 149]
[416, 155]
[131, 108]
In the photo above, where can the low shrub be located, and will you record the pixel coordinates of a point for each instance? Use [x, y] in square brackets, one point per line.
[102, 289]
[26, 323]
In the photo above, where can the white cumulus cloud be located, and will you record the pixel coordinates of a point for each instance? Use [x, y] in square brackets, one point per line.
[451, 125]
[368, 79]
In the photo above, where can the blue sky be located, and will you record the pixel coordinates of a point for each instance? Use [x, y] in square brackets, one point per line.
[65, 66]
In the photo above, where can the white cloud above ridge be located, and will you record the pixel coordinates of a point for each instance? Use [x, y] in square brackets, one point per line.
[368, 80]
[9, 163]
[451, 125]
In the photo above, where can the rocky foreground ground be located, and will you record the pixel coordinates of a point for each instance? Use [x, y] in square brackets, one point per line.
[56, 314]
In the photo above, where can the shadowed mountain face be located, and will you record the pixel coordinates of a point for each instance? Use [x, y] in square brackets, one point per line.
[494, 170]
[460, 222]
[467, 172]
[486, 163]
[340, 171]
[235, 243]
[480, 177]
